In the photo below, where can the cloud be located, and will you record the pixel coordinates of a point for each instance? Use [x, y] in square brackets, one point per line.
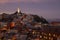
[7, 1]
[36, 1]
[2, 1]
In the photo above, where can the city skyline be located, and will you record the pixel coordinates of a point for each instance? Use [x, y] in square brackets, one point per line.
[49, 9]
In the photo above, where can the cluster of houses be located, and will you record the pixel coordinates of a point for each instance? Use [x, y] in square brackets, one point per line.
[12, 26]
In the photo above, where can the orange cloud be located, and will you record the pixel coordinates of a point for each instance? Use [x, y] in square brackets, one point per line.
[36, 1]
[3, 1]
[7, 1]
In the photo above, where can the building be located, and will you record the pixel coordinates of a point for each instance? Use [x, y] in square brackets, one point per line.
[55, 23]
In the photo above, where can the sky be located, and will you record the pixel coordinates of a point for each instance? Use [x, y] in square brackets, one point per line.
[49, 9]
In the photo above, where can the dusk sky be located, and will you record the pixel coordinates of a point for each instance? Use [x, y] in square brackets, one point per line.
[49, 9]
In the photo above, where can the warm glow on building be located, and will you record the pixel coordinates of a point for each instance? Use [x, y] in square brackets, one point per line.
[12, 24]
[49, 34]
[54, 35]
[40, 36]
